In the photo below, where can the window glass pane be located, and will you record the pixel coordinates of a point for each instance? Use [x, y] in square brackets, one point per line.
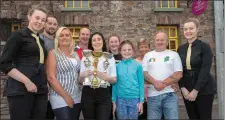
[77, 3]
[172, 32]
[85, 3]
[71, 30]
[77, 31]
[166, 30]
[172, 3]
[172, 44]
[16, 28]
[165, 3]
[69, 3]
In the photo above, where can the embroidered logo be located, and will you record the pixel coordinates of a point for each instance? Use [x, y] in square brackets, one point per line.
[151, 60]
[166, 58]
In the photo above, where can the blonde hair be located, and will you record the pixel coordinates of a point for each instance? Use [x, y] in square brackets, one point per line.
[39, 7]
[194, 20]
[72, 44]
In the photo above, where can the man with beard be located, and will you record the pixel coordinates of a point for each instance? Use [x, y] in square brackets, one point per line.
[83, 41]
[48, 36]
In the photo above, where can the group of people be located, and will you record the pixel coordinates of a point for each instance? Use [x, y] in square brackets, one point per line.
[49, 75]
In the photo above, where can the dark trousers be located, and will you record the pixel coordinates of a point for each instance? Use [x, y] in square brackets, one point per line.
[96, 103]
[201, 108]
[29, 106]
[50, 113]
[67, 113]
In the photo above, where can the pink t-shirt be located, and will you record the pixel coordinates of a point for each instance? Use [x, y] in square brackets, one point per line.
[145, 85]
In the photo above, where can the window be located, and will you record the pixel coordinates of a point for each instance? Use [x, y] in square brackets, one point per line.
[166, 3]
[172, 36]
[15, 27]
[77, 4]
[75, 32]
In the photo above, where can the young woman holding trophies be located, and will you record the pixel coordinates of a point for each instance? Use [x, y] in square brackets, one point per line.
[98, 71]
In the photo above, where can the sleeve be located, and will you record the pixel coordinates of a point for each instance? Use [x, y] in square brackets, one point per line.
[114, 91]
[181, 81]
[177, 65]
[112, 67]
[140, 76]
[10, 52]
[207, 56]
[145, 63]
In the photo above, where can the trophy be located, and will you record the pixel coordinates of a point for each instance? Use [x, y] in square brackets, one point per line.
[105, 65]
[87, 64]
[95, 81]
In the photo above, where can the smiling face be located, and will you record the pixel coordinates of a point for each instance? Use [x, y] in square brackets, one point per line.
[144, 48]
[161, 41]
[127, 51]
[65, 38]
[190, 30]
[37, 20]
[97, 43]
[51, 25]
[84, 36]
[114, 43]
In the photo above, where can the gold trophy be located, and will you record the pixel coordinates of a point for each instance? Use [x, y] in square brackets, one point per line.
[105, 65]
[95, 81]
[87, 64]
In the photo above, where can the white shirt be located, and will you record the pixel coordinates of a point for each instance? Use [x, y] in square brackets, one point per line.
[111, 70]
[161, 65]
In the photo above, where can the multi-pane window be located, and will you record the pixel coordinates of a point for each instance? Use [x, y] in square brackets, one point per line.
[172, 33]
[77, 3]
[75, 32]
[166, 3]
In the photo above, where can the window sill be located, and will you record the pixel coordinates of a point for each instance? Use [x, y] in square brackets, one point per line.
[168, 9]
[76, 10]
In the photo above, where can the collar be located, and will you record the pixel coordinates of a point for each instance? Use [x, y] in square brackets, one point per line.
[193, 43]
[27, 31]
[129, 60]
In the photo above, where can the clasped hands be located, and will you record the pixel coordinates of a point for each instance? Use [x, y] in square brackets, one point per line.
[191, 96]
[99, 74]
[160, 85]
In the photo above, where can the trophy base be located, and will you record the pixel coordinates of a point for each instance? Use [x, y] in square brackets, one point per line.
[86, 83]
[95, 86]
[103, 85]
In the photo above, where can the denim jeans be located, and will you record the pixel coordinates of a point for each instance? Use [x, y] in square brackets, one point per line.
[67, 113]
[127, 108]
[166, 104]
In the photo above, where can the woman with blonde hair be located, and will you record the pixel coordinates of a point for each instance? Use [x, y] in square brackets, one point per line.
[197, 85]
[63, 66]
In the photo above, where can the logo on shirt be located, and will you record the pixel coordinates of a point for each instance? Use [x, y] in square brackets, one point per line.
[166, 58]
[151, 60]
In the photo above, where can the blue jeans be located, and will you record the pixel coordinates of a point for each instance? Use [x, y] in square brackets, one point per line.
[166, 104]
[67, 113]
[127, 108]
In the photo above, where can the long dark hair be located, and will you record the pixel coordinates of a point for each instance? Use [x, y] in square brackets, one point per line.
[104, 48]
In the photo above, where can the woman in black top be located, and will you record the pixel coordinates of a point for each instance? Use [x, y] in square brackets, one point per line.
[96, 100]
[197, 84]
[114, 42]
[23, 61]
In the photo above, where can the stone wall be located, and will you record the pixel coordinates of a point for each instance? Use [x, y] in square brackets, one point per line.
[131, 20]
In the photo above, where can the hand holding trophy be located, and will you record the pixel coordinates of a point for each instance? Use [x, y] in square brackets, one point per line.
[105, 66]
[87, 64]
